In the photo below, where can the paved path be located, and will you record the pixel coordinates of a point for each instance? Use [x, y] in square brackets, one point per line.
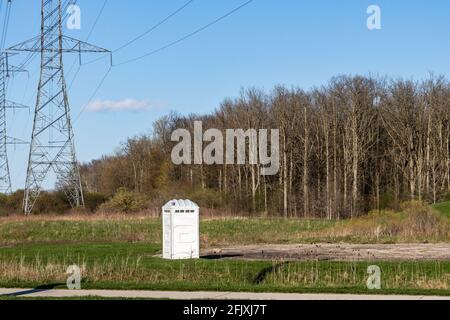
[200, 295]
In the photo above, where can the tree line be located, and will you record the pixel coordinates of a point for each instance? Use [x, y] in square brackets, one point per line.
[356, 144]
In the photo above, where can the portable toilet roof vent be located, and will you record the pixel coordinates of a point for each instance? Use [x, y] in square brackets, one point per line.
[178, 203]
[181, 238]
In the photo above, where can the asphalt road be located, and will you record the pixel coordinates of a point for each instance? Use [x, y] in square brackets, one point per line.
[201, 295]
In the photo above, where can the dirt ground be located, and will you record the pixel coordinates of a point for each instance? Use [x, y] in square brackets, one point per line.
[334, 252]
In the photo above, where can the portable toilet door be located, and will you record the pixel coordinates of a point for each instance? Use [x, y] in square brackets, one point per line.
[181, 238]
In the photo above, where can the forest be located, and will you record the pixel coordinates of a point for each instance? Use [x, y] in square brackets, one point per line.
[356, 144]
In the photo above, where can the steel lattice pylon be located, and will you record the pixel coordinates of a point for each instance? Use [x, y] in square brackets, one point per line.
[5, 180]
[5, 140]
[52, 142]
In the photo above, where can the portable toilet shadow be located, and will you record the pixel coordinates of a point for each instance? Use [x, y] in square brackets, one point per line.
[181, 238]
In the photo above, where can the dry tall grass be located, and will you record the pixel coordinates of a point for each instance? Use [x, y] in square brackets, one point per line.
[417, 222]
[393, 277]
[282, 275]
[113, 269]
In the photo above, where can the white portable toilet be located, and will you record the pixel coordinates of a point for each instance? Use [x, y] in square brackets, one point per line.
[181, 223]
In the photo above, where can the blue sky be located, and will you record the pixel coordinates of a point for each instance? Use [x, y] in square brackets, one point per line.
[293, 42]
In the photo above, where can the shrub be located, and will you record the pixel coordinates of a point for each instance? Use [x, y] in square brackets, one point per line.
[3, 204]
[388, 201]
[422, 220]
[51, 202]
[11, 203]
[415, 222]
[124, 201]
[377, 224]
[207, 198]
[93, 201]
[15, 201]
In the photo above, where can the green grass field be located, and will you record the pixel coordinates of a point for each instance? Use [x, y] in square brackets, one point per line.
[133, 266]
[118, 252]
[137, 229]
[220, 232]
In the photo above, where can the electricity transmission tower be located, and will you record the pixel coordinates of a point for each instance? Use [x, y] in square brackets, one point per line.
[52, 142]
[5, 71]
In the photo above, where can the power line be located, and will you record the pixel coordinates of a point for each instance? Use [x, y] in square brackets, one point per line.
[31, 55]
[97, 89]
[87, 39]
[155, 26]
[5, 24]
[159, 49]
[195, 32]
[97, 19]
[186, 36]
[148, 31]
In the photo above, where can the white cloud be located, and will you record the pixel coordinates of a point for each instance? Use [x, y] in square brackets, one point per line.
[120, 105]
